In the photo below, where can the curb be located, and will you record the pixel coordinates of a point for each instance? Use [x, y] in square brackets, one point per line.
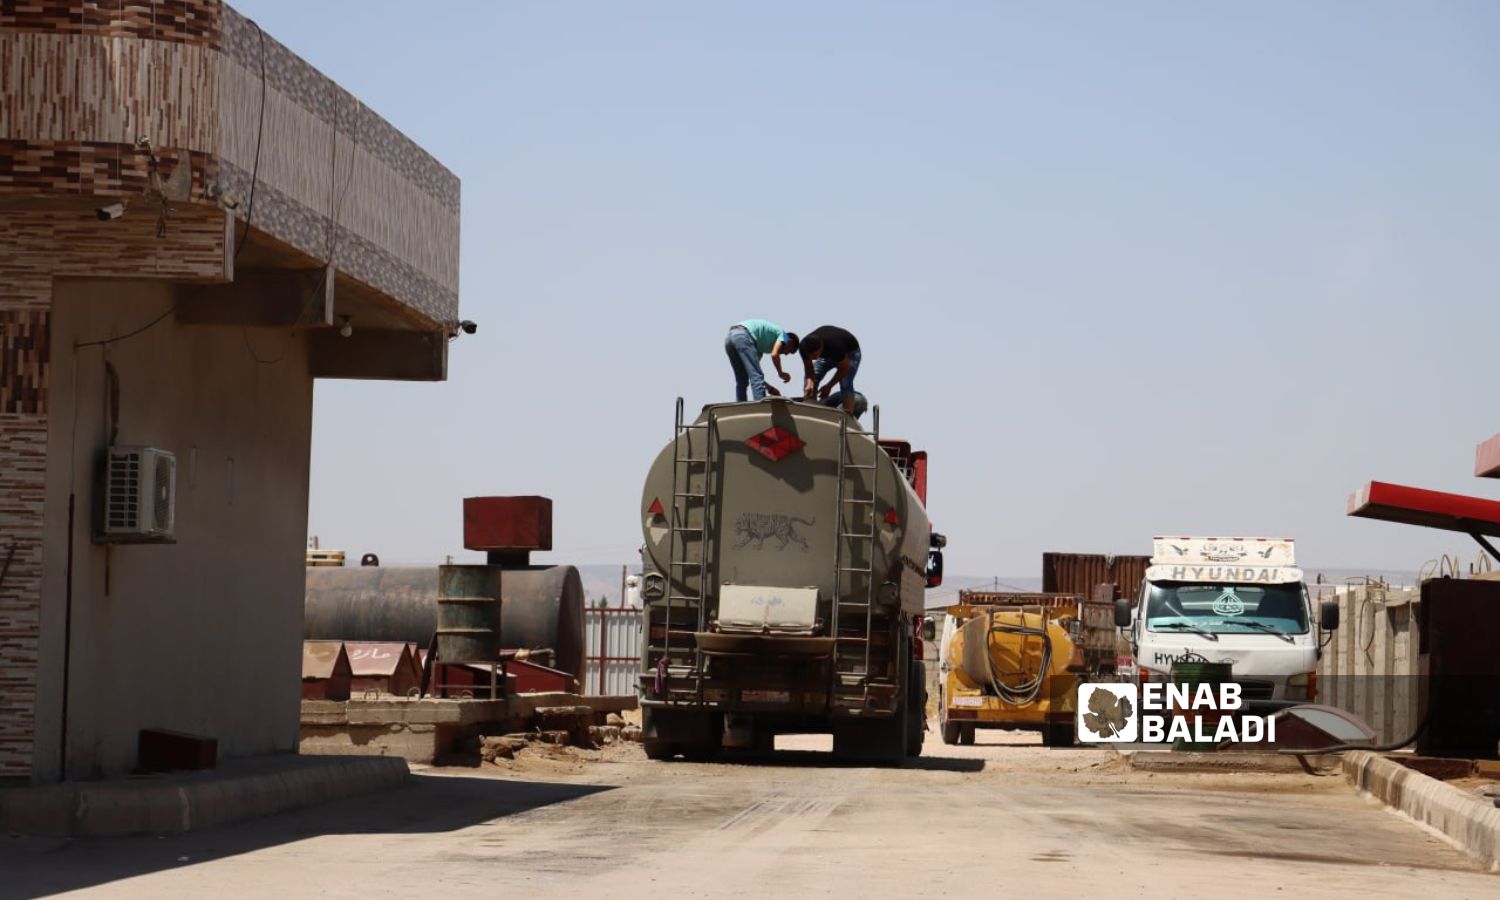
[1468, 821]
[184, 803]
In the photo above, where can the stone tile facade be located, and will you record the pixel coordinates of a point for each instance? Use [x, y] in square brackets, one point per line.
[180, 21]
[80, 82]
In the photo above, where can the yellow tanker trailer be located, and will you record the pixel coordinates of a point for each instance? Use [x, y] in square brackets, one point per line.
[1014, 661]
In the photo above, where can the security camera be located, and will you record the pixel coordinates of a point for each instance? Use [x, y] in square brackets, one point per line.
[468, 326]
[112, 211]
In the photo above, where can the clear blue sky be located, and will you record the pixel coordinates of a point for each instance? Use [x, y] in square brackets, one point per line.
[1122, 268]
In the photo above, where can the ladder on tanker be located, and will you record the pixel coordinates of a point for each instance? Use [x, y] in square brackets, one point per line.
[693, 449]
[854, 560]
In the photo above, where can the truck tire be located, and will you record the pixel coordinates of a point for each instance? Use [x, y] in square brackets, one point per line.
[951, 732]
[655, 746]
[694, 735]
[882, 740]
[916, 709]
[1058, 734]
[707, 741]
[879, 741]
[659, 750]
[966, 733]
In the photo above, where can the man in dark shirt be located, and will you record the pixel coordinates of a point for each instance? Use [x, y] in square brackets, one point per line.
[830, 349]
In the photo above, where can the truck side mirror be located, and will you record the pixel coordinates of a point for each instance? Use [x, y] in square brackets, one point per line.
[1328, 615]
[934, 568]
[1122, 613]
[929, 628]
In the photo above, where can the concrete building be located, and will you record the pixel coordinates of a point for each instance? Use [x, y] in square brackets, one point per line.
[182, 293]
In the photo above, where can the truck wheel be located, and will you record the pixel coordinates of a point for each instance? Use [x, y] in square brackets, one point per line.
[966, 733]
[1058, 734]
[875, 741]
[667, 733]
[651, 741]
[659, 750]
[916, 710]
[950, 731]
[708, 738]
[702, 752]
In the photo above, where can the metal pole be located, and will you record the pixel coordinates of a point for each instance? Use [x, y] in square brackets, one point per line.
[603, 650]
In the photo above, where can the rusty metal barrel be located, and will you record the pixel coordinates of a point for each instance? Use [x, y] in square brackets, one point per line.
[468, 613]
[541, 607]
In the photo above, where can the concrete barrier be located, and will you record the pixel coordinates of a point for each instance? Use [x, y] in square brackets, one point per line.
[1469, 821]
[238, 790]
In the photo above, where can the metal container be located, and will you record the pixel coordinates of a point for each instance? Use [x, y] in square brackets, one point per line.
[468, 608]
[1461, 668]
[1080, 573]
[541, 608]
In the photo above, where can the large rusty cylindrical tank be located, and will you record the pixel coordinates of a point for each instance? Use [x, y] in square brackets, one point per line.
[541, 607]
[776, 517]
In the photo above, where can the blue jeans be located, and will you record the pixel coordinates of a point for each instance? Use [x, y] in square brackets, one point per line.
[744, 358]
[846, 384]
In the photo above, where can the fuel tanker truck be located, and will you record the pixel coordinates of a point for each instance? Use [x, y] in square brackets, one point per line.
[786, 554]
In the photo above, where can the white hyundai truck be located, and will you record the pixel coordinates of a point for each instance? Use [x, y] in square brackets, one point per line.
[1232, 600]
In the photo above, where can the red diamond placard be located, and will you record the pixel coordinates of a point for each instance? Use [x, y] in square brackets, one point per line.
[775, 443]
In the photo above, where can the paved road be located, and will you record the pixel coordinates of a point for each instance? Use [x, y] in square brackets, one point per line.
[1005, 816]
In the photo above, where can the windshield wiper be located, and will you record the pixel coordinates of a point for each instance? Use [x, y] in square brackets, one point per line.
[1189, 626]
[1262, 626]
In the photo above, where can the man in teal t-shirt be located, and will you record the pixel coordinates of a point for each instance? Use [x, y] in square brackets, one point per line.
[745, 344]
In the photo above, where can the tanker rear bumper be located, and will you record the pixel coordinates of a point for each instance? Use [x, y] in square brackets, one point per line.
[762, 697]
[763, 645]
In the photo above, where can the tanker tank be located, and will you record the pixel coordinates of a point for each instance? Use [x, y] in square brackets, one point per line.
[541, 608]
[776, 479]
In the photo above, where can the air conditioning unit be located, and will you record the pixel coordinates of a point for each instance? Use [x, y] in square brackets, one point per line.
[140, 495]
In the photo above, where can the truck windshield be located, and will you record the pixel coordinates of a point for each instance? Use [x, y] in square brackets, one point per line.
[1227, 608]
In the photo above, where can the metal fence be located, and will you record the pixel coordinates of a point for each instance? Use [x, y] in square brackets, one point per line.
[612, 655]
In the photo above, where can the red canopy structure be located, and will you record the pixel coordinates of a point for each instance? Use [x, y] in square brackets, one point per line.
[1430, 509]
[1473, 516]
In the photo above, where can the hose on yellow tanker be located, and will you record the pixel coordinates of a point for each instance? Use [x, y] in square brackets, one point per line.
[1024, 693]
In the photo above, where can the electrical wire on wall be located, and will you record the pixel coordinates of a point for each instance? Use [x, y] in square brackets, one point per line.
[260, 131]
[336, 198]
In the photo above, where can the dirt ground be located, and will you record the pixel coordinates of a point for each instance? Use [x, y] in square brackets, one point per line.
[1003, 816]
